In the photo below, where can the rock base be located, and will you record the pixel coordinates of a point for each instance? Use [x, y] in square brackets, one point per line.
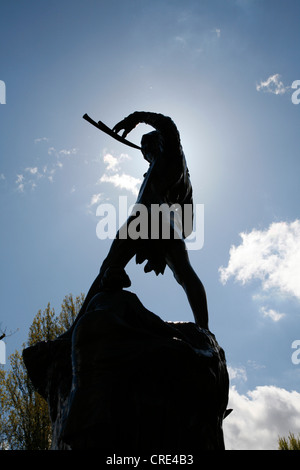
[126, 381]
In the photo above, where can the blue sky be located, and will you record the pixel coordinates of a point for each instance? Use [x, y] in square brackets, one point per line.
[223, 70]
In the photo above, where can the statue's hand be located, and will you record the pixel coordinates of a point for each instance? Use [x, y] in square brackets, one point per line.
[127, 124]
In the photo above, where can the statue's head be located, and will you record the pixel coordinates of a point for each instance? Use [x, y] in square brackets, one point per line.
[152, 145]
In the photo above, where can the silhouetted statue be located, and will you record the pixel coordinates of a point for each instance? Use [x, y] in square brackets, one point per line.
[166, 182]
[122, 379]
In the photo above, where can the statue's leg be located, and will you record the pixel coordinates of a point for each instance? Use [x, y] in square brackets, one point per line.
[120, 253]
[178, 261]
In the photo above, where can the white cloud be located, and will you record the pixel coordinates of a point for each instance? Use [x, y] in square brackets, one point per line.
[271, 256]
[2, 176]
[65, 152]
[19, 183]
[68, 152]
[260, 417]
[275, 316]
[48, 170]
[112, 163]
[29, 180]
[20, 187]
[32, 176]
[60, 154]
[19, 179]
[51, 150]
[122, 181]
[41, 139]
[32, 170]
[273, 84]
[254, 365]
[95, 199]
[237, 373]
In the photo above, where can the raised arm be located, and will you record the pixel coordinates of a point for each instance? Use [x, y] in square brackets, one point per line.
[161, 123]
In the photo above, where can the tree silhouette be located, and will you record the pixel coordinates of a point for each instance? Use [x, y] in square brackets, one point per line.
[25, 422]
[290, 443]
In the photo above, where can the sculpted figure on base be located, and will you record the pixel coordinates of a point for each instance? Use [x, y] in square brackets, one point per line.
[166, 182]
[121, 378]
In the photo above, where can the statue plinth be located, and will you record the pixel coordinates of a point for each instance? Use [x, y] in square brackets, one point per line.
[128, 381]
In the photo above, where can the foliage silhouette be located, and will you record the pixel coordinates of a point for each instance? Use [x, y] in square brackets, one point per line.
[25, 423]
